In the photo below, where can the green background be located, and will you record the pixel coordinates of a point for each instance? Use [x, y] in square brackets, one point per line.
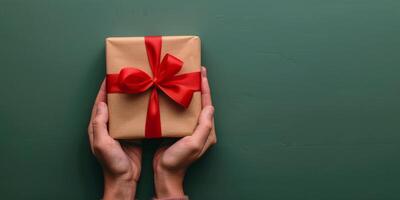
[306, 95]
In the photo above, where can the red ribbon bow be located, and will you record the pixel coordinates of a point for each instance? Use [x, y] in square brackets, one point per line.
[179, 88]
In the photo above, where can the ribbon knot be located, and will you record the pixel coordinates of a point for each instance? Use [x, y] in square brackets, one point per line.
[179, 88]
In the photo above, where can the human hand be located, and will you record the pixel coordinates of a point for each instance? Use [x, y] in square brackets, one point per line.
[170, 162]
[121, 162]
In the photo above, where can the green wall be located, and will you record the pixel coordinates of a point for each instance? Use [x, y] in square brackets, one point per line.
[306, 95]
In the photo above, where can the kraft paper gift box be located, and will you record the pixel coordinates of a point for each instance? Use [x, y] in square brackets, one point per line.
[127, 111]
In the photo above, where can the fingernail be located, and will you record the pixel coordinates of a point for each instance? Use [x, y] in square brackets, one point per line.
[203, 71]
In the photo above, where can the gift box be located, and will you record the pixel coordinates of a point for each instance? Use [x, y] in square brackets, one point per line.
[153, 86]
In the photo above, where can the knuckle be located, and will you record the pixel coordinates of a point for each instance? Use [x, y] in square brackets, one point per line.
[207, 125]
[195, 146]
[99, 146]
[169, 162]
[214, 141]
[97, 122]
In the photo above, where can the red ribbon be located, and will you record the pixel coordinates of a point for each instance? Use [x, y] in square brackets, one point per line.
[179, 88]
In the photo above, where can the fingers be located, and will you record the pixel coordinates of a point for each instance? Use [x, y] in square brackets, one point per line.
[205, 125]
[202, 132]
[211, 140]
[206, 101]
[205, 89]
[101, 96]
[99, 122]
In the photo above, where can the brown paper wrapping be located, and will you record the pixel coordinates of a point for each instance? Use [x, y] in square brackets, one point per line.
[127, 112]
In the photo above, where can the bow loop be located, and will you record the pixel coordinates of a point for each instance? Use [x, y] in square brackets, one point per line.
[170, 65]
[132, 80]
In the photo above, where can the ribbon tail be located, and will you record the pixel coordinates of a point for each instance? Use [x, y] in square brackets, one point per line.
[153, 122]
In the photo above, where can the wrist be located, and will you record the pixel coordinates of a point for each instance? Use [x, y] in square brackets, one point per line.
[168, 183]
[119, 188]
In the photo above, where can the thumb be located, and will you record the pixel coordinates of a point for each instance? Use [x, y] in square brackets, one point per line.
[205, 125]
[100, 121]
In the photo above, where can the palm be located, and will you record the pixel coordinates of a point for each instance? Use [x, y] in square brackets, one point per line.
[121, 158]
[179, 155]
[133, 154]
